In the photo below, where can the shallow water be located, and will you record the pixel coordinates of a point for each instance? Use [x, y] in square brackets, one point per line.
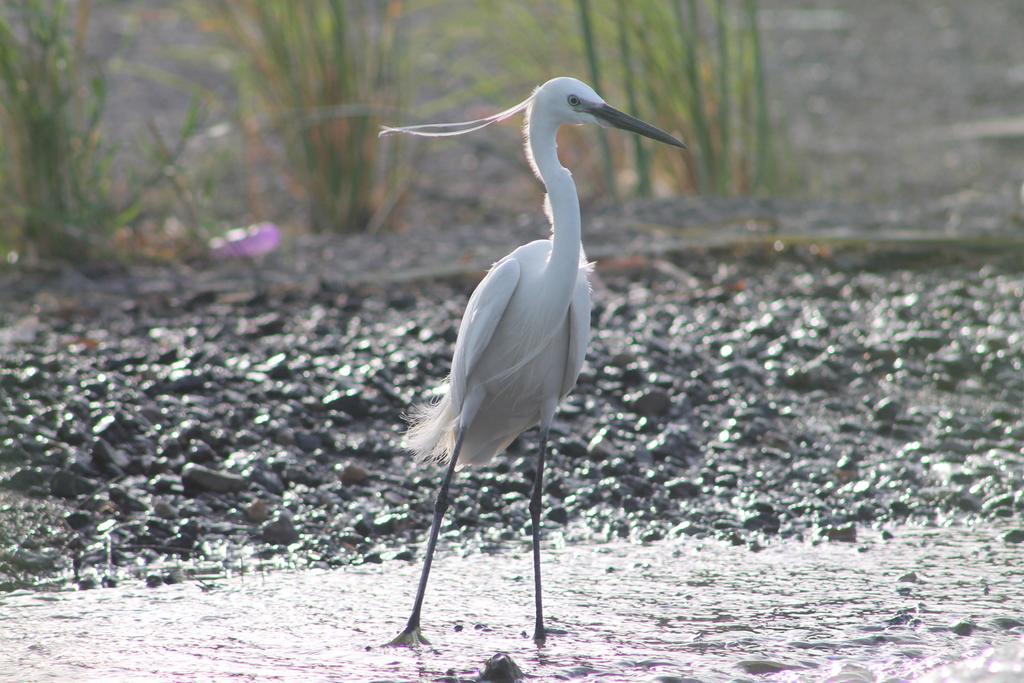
[685, 609]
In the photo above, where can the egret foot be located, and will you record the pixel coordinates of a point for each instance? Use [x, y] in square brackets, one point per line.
[410, 637]
[541, 637]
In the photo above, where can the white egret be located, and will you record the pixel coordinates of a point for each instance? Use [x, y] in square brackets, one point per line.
[526, 327]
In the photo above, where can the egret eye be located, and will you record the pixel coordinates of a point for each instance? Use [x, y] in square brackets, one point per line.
[574, 101]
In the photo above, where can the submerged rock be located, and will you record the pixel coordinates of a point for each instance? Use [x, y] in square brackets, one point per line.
[501, 669]
[1014, 536]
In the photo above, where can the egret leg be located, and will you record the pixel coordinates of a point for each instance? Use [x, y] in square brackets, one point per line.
[411, 635]
[538, 486]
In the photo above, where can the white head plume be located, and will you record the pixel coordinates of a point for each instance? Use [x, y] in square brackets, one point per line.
[444, 130]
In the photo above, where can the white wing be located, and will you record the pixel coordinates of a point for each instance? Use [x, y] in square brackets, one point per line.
[483, 313]
[579, 329]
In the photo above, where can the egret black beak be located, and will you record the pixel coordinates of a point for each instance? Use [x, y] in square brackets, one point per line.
[614, 117]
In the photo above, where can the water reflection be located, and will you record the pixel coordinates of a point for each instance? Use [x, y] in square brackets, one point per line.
[706, 611]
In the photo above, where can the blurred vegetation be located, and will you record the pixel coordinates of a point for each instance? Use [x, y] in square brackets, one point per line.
[692, 67]
[55, 188]
[316, 80]
[323, 73]
[57, 197]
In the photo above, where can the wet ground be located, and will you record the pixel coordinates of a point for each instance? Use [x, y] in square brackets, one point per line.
[888, 608]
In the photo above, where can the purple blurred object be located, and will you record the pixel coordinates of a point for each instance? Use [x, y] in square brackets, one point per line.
[256, 240]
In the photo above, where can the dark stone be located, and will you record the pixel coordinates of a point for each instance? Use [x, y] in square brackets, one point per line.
[66, 484]
[815, 374]
[653, 402]
[886, 410]
[307, 441]
[166, 483]
[558, 515]
[391, 522]
[107, 427]
[762, 521]
[759, 667]
[78, 519]
[501, 669]
[299, 474]
[353, 474]
[200, 452]
[352, 401]
[268, 480]
[184, 383]
[363, 526]
[844, 534]
[109, 458]
[281, 530]
[1014, 536]
[127, 501]
[920, 340]
[963, 628]
[682, 488]
[1008, 623]
[26, 478]
[198, 478]
[257, 512]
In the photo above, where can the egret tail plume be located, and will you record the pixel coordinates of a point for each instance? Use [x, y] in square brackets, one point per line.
[432, 430]
[444, 130]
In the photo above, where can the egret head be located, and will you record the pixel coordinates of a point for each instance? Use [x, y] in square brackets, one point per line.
[560, 101]
[567, 100]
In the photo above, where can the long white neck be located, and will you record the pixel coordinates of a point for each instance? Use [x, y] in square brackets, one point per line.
[562, 198]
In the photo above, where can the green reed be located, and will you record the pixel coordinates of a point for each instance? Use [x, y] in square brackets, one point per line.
[321, 75]
[57, 174]
[55, 197]
[692, 67]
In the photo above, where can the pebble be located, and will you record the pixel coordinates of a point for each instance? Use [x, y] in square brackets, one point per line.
[886, 410]
[653, 402]
[558, 515]
[682, 488]
[501, 668]
[203, 478]
[1014, 536]
[257, 511]
[27, 478]
[843, 534]
[281, 530]
[107, 457]
[78, 519]
[963, 628]
[352, 474]
[761, 667]
[165, 510]
[67, 484]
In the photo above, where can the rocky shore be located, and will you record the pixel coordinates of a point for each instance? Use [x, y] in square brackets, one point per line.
[746, 392]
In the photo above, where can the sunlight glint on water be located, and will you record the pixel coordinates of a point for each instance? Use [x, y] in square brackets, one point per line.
[685, 608]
